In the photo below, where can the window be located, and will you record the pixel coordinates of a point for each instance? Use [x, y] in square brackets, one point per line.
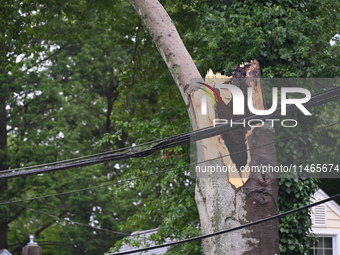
[323, 246]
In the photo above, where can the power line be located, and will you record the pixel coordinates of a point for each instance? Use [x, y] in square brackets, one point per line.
[228, 230]
[172, 169]
[75, 222]
[71, 221]
[319, 99]
[90, 188]
[85, 157]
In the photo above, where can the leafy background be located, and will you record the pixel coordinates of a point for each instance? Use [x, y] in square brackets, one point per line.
[83, 77]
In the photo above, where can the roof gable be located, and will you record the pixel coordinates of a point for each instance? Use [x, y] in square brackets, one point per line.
[321, 195]
[144, 236]
[5, 252]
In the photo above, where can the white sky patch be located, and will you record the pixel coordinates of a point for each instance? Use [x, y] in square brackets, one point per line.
[93, 221]
[97, 208]
[137, 203]
[60, 135]
[30, 95]
[335, 39]
[49, 48]
[20, 97]
[20, 103]
[20, 57]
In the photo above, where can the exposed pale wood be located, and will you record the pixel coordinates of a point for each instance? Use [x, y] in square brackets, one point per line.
[222, 202]
[215, 146]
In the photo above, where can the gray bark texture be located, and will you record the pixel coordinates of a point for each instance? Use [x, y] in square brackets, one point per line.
[222, 202]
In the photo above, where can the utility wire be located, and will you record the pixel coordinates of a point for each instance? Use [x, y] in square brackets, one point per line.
[172, 169]
[228, 230]
[85, 157]
[77, 223]
[110, 152]
[319, 99]
[71, 221]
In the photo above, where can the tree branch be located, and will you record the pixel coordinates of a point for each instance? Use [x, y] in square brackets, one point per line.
[169, 44]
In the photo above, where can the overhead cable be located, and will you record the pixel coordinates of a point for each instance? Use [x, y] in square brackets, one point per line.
[228, 230]
[319, 99]
[133, 147]
[172, 169]
[71, 221]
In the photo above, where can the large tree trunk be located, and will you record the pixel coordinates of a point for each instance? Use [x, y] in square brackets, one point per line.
[231, 200]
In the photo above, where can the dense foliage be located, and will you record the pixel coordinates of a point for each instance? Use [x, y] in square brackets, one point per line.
[82, 77]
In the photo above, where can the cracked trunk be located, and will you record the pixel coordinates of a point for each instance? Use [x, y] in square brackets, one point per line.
[230, 200]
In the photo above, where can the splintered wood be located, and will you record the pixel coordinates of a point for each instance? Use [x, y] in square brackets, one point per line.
[229, 145]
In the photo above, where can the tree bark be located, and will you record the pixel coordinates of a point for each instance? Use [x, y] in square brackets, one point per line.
[230, 200]
[233, 199]
[169, 44]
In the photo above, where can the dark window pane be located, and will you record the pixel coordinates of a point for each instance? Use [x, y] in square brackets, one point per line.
[328, 242]
[319, 242]
[319, 252]
[328, 252]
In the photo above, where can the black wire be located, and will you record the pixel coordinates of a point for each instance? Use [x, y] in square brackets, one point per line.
[71, 221]
[85, 157]
[319, 99]
[109, 152]
[172, 169]
[90, 188]
[229, 230]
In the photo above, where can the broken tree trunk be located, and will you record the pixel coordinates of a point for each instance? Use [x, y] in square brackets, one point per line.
[229, 200]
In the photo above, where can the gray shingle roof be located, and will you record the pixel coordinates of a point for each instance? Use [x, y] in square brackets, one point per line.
[145, 235]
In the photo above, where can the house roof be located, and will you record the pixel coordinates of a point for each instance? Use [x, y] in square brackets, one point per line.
[321, 195]
[5, 252]
[144, 236]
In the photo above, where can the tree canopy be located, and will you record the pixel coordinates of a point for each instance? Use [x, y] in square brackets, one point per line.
[84, 77]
